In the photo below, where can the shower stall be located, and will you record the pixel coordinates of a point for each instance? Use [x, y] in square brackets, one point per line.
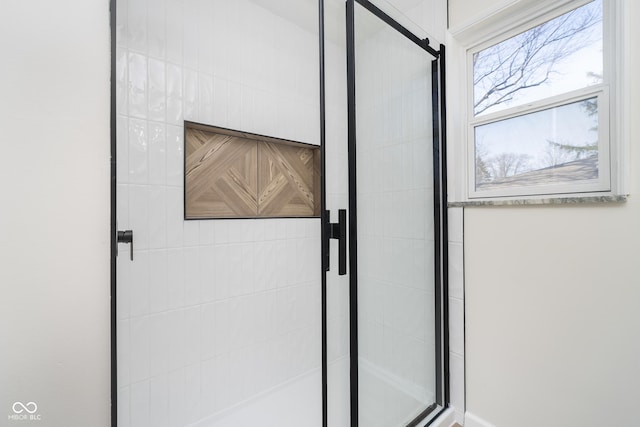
[334, 319]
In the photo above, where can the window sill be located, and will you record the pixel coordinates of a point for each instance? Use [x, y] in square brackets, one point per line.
[576, 200]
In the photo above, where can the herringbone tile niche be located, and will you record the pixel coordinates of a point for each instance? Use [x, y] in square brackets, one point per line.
[232, 174]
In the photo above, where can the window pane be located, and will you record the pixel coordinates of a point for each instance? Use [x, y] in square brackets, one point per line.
[552, 146]
[556, 57]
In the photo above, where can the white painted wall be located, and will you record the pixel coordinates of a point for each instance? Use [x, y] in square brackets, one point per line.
[551, 294]
[54, 220]
[463, 11]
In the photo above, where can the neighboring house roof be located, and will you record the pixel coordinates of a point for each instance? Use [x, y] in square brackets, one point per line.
[577, 170]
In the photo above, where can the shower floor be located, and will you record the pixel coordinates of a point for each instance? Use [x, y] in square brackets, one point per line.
[296, 403]
[385, 401]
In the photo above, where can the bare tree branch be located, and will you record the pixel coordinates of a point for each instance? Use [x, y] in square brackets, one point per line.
[529, 59]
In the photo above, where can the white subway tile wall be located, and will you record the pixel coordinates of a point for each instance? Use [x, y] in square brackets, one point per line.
[456, 312]
[211, 313]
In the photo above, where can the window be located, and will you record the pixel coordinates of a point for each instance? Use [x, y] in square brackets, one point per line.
[539, 107]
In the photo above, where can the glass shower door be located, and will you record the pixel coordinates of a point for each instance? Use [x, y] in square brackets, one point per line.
[395, 219]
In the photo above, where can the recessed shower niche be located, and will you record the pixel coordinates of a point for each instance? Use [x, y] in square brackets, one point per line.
[234, 174]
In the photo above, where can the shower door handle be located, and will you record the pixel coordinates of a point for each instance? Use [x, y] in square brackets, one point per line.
[126, 237]
[338, 231]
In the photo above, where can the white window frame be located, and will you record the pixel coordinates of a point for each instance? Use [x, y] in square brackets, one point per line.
[505, 22]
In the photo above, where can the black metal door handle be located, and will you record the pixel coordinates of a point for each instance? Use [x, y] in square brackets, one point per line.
[126, 236]
[339, 231]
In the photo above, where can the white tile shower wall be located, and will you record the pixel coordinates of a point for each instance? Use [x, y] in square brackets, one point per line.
[210, 313]
[456, 312]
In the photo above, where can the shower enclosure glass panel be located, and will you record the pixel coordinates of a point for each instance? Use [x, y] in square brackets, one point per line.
[218, 321]
[395, 225]
[337, 197]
